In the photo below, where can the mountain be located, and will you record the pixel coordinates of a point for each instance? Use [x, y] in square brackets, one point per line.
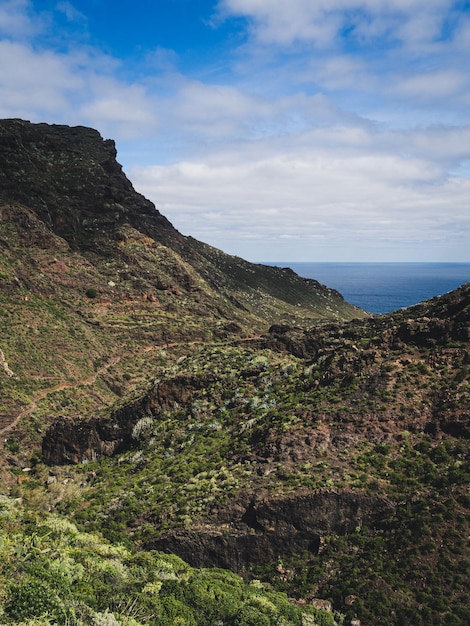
[66, 182]
[91, 273]
[187, 404]
[93, 277]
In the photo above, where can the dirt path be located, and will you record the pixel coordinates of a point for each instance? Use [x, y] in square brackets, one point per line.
[90, 380]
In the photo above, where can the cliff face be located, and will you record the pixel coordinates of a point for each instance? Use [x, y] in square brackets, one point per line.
[267, 529]
[86, 439]
[69, 178]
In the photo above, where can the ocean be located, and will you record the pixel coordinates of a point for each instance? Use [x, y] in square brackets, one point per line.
[385, 287]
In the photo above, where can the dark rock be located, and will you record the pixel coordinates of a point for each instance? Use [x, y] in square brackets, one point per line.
[262, 531]
[70, 177]
[71, 441]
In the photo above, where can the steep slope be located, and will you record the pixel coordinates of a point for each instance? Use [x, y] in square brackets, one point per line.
[51, 573]
[94, 280]
[70, 179]
[333, 461]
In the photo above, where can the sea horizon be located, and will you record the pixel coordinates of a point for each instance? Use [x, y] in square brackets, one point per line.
[384, 286]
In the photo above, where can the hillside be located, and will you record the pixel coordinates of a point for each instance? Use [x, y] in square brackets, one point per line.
[333, 462]
[93, 278]
[186, 404]
[73, 188]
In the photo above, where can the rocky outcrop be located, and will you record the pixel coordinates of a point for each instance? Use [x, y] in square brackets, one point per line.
[77, 440]
[5, 367]
[432, 324]
[257, 530]
[70, 177]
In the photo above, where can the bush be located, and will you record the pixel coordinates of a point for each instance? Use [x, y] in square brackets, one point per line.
[251, 616]
[12, 446]
[31, 598]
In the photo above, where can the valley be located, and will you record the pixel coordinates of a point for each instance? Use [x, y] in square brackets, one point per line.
[222, 442]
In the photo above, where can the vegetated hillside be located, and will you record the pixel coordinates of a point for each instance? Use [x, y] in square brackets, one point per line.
[332, 463]
[98, 294]
[56, 574]
[176, 399]
[93, 279]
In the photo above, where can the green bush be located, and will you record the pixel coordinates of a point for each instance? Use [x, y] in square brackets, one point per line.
[251, 616]
[32, 598]
[175, 613]
[12, 445]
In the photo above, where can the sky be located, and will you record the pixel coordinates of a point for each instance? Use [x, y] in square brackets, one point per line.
[275, 130]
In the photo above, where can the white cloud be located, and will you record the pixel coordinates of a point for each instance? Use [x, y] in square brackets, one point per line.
[118, 109]
[402, 60]
[322, 21]
[214, 110]
[38, 82]
[46, 86]
[358, 197]
[75, 86]
[71, 13]
[15, 19]
[434, 85]
[221, 113]
[446, 147]
[342, 72]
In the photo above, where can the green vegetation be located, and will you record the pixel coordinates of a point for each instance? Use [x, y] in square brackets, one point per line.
[410, 569]
[52, 573]
[218, 406]
[238, 406]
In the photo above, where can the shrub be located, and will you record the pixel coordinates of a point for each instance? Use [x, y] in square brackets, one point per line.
[31, 598]
[12, 446]
[251, 616]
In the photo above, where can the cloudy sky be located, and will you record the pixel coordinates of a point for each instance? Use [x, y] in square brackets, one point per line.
[277, 130]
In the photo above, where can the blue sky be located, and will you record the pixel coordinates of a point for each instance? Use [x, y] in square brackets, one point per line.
[276, 130]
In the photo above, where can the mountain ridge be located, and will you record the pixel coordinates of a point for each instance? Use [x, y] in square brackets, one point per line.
[94, 266]
[69, 177]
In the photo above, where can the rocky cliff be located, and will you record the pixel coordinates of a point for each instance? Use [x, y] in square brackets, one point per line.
[72, 186]
[70, 178]
[266, 529]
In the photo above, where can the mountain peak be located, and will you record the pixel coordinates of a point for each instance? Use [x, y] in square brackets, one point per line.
[69, 178]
